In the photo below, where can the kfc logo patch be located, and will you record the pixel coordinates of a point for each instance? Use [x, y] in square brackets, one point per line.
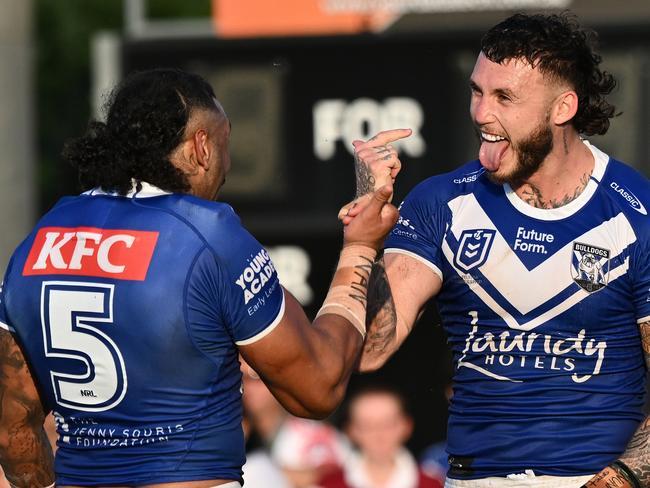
[89, 251]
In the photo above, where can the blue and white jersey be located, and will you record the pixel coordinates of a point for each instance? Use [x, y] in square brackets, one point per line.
[130, 310]
[541, 308]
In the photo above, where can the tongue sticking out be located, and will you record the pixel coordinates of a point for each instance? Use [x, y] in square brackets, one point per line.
[490, 154]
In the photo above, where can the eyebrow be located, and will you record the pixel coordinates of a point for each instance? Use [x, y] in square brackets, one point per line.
[498, 91]
[506, 92]
[474, 86]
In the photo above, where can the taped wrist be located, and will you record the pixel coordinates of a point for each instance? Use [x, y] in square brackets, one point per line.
[348, 293]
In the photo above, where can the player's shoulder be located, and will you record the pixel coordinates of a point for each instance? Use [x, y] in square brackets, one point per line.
[205, 214]
[214, 222]
[442, 188]
[628, 189]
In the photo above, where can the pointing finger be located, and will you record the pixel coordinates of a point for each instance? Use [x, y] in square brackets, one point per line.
[387, 136]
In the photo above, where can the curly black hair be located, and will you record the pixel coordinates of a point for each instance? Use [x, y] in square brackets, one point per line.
[560, 48]
[146, 118]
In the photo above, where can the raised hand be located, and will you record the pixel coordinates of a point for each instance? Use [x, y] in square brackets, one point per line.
[373, 221]
[376, 161]
[376, 164]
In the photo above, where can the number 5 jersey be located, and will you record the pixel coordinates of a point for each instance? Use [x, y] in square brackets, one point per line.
[129, 311]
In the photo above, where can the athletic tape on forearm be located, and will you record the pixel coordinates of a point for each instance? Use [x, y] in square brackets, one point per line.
[348, 294]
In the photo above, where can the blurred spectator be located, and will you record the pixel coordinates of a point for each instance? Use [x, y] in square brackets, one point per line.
[263, 416]
[260, 471]
[379, 425]
[434, 461]
[307, 450]
[294, 452]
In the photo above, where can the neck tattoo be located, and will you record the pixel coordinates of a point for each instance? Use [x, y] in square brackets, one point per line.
[533, 195]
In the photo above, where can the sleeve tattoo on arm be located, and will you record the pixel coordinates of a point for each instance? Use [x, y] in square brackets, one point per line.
[26, 455]
[637, 454]
[381, 317]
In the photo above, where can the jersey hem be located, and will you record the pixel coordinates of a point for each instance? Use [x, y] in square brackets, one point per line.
[66, 480]
[268, 329]
[426, 262]
[643, 319]
[6, 327]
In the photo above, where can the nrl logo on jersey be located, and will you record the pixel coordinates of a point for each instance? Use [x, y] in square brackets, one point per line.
[589, 266]
[473, 248]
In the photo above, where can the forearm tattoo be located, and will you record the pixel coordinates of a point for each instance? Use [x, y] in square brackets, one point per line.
[25, 451]
[365, 178]
[381, 317]
[360, 285]
[637, 454]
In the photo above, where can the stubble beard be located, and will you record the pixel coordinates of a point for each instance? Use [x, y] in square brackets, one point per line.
[530, 154]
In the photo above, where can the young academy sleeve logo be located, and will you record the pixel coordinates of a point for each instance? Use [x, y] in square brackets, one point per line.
[589, 266]
[473, 248]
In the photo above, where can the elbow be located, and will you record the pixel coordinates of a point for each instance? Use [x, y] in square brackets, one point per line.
[370, 363]
[319, 401]
[320, 405]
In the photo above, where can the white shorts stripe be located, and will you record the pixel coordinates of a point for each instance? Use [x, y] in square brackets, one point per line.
[522, 480]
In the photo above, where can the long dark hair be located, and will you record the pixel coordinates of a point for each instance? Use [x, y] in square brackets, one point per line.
[559, 48]
[146, 118]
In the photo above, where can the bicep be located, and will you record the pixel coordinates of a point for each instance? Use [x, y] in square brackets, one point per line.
[298, 360]
[24, 449]
[17, 386]
[20, 403]
[275, 354]
[413, 283]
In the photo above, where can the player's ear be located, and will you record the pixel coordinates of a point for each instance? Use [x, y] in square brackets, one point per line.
[565, 107]
[201, 148]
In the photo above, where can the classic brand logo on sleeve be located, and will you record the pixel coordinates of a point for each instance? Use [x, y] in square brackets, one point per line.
[629, 197]
[89, 251]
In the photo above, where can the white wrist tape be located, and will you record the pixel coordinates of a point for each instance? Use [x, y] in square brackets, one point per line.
[348, 295]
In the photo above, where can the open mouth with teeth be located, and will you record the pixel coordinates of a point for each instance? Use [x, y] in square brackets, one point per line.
[492, 149]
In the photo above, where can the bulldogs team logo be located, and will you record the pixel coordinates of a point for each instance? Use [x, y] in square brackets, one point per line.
[589, 266]
[474, 248]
